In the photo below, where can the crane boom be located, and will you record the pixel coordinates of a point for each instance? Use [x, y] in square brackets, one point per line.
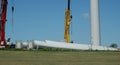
[3, 10]
[67, 24]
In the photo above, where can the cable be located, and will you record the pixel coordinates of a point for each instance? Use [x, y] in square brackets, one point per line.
[71, 25]
[12, 16]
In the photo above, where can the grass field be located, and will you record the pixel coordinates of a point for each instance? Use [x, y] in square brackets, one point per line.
[59, 58]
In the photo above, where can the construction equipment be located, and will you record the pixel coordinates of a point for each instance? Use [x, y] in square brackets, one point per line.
[3, 10]
[67, 23]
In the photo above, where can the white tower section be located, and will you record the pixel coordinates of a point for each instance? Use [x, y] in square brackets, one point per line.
[95, 24]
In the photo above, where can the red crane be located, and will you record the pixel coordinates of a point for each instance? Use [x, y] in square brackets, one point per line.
[3, 10]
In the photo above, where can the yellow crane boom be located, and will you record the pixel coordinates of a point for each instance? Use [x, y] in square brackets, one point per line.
[67, 24]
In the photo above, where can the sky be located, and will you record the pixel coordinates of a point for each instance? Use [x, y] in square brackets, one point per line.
[44, 20]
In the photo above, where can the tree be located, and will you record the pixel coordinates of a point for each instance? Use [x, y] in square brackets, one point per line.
[114, 45]
[72, 41]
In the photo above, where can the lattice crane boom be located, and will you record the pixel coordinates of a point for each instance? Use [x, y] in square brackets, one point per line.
[3, 11]
[67, 23]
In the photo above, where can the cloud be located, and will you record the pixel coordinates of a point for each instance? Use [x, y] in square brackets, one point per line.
[85, 15]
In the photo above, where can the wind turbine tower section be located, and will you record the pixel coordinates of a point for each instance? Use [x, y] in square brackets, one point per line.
[95, 22]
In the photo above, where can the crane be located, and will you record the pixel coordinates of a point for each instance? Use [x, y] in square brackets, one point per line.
[3, 10]
[68, 18]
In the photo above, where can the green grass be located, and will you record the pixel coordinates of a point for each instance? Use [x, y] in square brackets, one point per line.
[11, 57]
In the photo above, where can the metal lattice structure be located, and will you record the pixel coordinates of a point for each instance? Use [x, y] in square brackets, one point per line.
[3, 10]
